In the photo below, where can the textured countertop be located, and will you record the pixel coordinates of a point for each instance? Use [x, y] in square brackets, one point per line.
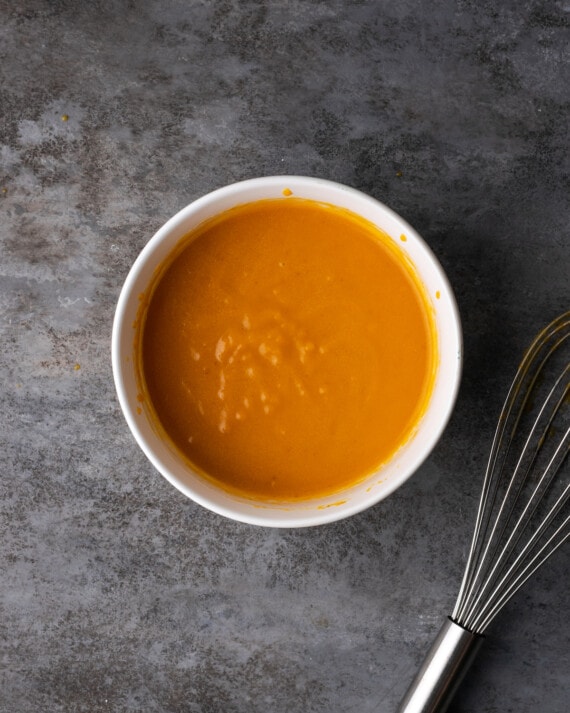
[117, 593]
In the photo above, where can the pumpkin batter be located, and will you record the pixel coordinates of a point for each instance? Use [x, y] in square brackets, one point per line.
[288, 349]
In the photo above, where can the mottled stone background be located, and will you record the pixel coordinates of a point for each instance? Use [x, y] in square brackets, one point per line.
[117, 593]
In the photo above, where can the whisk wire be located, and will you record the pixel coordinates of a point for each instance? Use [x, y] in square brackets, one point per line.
[478, 535]
[491, 557]
[488, 558]
[543, 554]
[506, 582]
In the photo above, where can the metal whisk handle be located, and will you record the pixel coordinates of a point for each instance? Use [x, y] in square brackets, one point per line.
[447, 661]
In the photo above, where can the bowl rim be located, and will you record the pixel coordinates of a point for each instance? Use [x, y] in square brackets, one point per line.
[264, 514]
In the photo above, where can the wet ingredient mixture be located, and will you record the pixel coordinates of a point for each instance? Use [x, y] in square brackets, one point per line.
[287, 349]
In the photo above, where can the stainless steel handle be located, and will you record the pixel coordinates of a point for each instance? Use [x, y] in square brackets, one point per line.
[445, 665]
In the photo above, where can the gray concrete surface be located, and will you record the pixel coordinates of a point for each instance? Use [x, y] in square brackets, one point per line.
[118, 594]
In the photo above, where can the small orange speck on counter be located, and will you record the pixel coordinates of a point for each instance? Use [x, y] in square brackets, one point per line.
[4, 190]
[287, 192]
[77, 367]
[399, 174]
[64, 117]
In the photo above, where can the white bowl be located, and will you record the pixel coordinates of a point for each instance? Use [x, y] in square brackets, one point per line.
[406, 460]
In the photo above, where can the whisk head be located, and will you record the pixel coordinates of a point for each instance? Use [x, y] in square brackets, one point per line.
[523, 515]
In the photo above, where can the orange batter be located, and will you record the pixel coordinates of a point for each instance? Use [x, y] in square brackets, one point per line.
[287, 349]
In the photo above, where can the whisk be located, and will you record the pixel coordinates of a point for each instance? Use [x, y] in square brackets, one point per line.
[523, 515]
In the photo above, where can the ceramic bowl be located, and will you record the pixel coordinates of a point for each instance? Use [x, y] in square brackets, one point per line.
[392, 474]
